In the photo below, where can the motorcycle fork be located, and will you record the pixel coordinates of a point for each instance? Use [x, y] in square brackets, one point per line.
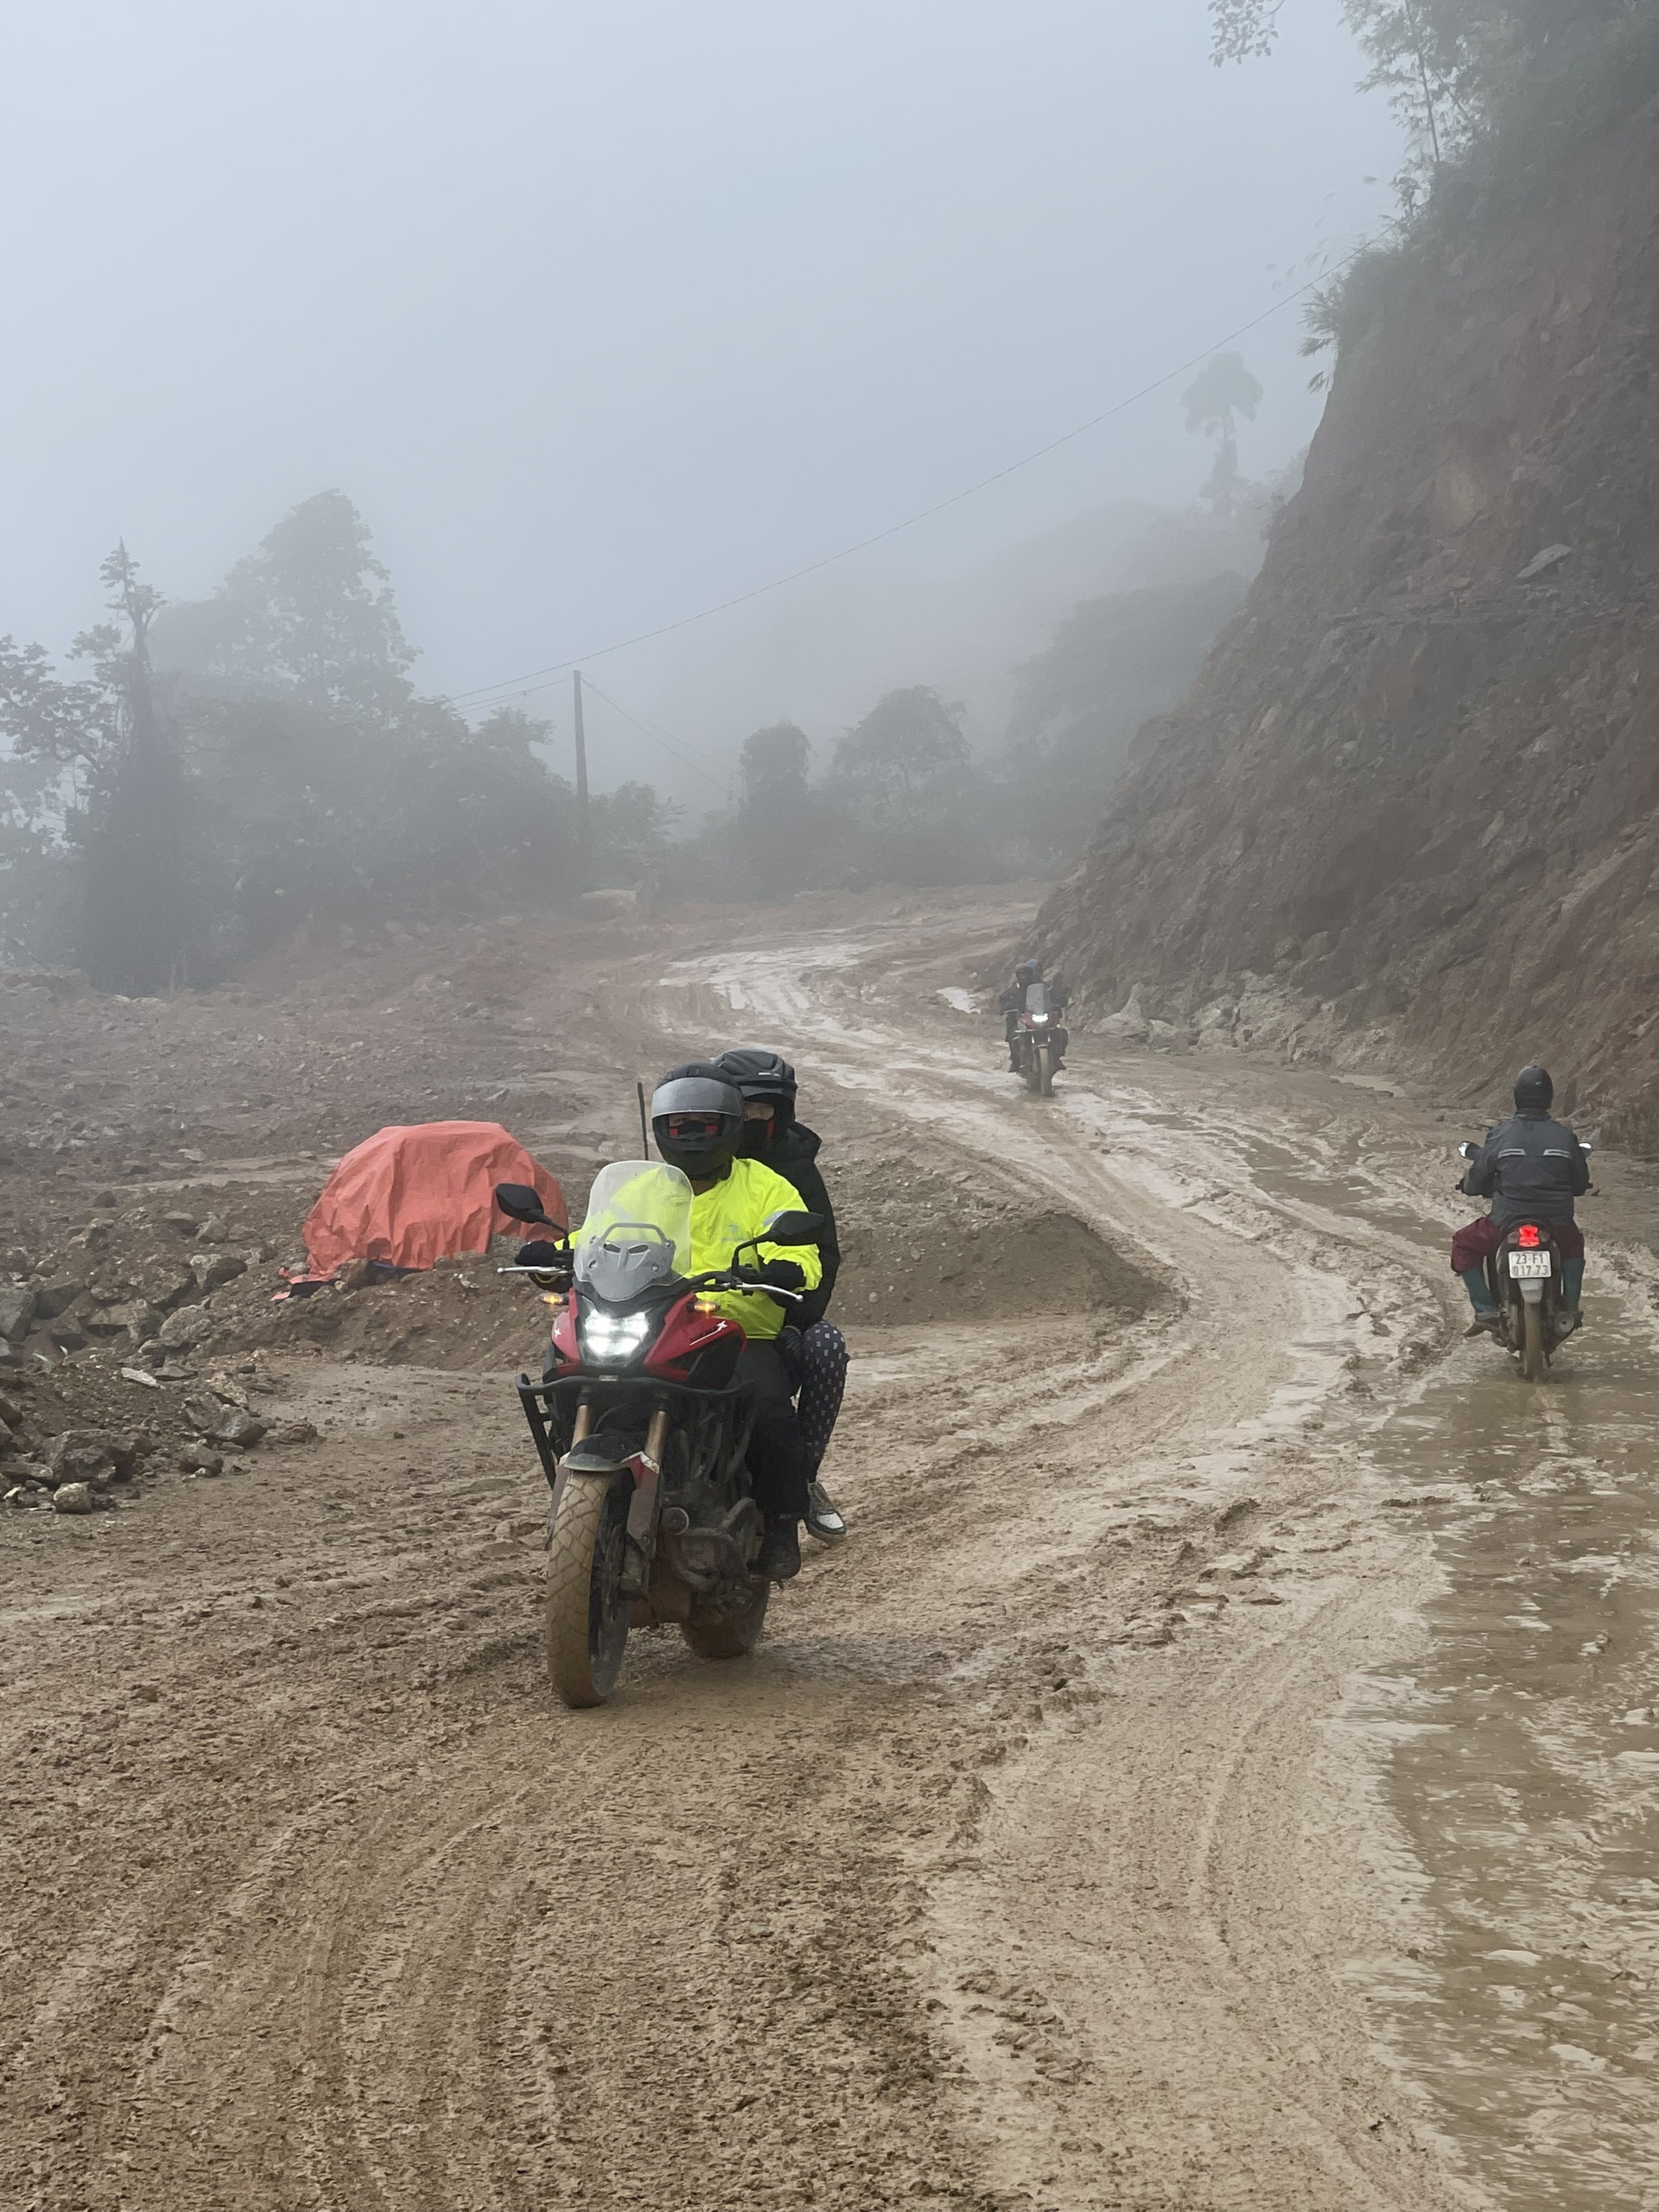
[642, 1507]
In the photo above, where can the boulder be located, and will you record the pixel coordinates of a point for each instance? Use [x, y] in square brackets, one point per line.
[1128, 1025]
[139, 1318]
[212, 1269]
[197, 1460]
[187, 1328]
[294, 1432]
[17, 1309]
[74, 1497]
[237, 1425]
[57, 1296]
[609, 904]
[166, 1285]
[72, 1459]
[120, 1451]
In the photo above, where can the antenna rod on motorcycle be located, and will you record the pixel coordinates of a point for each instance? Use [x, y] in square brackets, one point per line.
[645, 1126]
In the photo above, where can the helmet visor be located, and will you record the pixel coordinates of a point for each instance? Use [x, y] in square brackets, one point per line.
[694, 1128]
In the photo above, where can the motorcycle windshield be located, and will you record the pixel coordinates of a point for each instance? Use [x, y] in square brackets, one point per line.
[638, 1231]
[1037, 998]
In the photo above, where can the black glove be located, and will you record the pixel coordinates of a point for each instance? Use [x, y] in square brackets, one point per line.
[548, 1259]
[782, 1275]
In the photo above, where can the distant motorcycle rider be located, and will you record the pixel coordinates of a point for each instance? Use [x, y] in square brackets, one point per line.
[1014, 1002]
[1532, 1168]
[811, 1346]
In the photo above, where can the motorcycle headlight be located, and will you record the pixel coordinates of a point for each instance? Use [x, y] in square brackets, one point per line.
[612, 1339]
[1039, 1018]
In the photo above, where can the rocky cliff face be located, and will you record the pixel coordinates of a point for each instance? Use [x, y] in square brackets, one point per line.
[1413, 802]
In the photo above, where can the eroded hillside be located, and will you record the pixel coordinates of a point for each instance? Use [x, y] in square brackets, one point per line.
[1415, 790]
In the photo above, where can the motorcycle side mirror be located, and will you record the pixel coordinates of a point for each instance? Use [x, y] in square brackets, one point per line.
[791, 1228]
[1467, 1151]
[520, 1203]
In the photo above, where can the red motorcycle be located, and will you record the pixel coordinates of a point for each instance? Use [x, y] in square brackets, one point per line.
[642, 1432]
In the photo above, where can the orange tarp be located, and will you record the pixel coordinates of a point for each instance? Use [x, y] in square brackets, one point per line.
[413, 1196]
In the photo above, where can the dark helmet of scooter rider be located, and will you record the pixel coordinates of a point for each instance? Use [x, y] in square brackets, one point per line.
[763, 1076]
[697, 1117]
[1029, 971]
[1534, 1090]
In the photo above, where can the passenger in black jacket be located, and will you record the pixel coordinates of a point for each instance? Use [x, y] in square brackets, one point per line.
[819, 1351]
[1532, 1168]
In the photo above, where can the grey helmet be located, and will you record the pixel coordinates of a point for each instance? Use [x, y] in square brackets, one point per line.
[697, 1117]
[1534, 1090]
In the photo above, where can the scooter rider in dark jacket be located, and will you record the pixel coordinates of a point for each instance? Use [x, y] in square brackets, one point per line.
[1532, 1168]
[819, 1351]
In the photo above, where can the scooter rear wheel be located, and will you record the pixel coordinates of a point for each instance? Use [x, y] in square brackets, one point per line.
[1532, 1343]
[588, 1616]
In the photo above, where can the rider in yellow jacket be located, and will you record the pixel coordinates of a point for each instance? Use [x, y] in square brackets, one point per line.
[697, 1122]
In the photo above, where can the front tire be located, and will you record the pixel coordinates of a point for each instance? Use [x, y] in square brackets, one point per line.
[1044, 1072]
[588, 1616]
[730, 1636]
[1532, 1342]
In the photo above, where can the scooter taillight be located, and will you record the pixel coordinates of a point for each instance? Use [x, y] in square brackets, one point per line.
[1530, 1237]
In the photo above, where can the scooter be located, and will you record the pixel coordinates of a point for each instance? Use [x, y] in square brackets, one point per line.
[1525, 1278]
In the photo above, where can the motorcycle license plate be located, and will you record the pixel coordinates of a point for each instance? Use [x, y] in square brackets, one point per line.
[1529, 1267]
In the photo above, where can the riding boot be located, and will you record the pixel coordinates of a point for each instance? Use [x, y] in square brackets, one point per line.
[1573, 1288]
[780, 1552]
[1480, 1297]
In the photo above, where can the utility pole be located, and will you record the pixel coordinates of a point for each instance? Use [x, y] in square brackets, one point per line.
[584, 821]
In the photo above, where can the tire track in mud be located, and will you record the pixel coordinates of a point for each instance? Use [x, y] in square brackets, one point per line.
[1272, 2144]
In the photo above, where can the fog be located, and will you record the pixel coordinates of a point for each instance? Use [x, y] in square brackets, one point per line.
[600, 316]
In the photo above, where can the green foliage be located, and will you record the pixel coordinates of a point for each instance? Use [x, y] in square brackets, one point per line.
[1494, 97]
[281, 766]
[310, 616]
[906, 759]
[1224, 391]
[772, 773]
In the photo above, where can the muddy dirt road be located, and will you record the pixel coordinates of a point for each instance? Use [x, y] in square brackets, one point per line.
[1220, 1772]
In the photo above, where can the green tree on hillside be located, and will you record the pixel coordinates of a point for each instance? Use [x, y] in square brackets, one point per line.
[135, 926]
[772, 772]
[903, 760]
[1224, 390]
[310, 616]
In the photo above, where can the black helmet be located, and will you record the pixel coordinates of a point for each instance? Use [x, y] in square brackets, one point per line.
[697, 1117]
[1532, 1090]
[760, 1074]
[1029, 971]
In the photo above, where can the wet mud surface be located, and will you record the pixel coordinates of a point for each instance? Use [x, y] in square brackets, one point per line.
[1218, 1772]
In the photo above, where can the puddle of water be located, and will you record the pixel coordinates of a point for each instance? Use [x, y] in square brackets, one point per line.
[1528, 1781]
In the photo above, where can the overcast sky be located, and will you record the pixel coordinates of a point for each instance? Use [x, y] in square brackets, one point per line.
[603, 313]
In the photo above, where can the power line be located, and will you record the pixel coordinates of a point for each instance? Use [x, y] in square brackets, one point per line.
[537, 679]
[669, 745]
